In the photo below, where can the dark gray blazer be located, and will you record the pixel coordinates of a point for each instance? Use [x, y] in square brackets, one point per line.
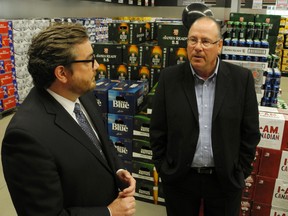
[50, 165]
[174, 128]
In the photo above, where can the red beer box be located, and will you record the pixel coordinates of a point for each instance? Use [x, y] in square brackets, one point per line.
[5, 40]
[274, 164]
[5, 53]
[7, 103]
[6, 66]
[3, 92]
[260, 209]
[5, 27]
[271, 191]
[6, 78]
[273, 129]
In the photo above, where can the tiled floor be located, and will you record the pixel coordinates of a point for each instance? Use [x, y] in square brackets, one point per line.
[143, 209]
[6, 206]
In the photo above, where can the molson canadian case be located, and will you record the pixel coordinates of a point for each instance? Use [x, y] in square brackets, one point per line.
[271, 191]
[273, 129]
[260, 209]
[274, 164]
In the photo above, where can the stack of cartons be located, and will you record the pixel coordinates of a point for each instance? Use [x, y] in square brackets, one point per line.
[270, 195]
[125, 99]
[8, 87]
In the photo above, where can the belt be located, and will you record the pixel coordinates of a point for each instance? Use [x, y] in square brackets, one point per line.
[204, 170]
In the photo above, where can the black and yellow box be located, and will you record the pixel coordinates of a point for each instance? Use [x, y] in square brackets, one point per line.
[172, 34]
[108, 53]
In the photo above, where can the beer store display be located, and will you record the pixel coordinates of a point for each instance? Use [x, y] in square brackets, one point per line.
[131, 52]
[249, 42]
[9, 97]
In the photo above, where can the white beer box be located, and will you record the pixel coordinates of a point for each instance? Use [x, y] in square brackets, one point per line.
[278, 211]
[274, 130]
[260, 209]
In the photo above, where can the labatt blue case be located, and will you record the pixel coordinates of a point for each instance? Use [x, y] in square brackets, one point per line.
[127, 97]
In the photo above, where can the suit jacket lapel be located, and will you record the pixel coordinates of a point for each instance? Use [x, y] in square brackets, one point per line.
[70, 126]
[222, 83]
[189, 88]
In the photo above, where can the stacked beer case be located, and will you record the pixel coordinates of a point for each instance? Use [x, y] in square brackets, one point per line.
[282, 45]
[268, 184]
[8, 87]
[133, 55]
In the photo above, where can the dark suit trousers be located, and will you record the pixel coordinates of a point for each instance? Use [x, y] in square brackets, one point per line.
[184, 196]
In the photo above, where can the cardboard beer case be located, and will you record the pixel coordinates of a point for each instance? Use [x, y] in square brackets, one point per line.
[274, 130]
[274, 164]
[271, 191]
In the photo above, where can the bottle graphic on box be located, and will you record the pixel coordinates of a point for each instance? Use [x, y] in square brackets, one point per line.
[156, 57]
[133, 55]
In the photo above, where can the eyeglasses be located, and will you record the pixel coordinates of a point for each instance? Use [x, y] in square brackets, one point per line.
[88, 60]
[204, 42]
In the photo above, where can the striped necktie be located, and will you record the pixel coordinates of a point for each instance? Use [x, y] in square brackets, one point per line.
[86, 127]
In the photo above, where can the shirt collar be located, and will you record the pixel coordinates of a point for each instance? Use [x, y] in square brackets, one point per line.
[67, 104]
[212, 75]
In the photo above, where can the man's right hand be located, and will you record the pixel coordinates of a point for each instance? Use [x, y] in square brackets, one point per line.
[123, 206]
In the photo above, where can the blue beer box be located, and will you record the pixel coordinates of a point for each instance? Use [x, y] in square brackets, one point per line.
[101, 92]
[123, 147]
[120, 125]
[127, 97]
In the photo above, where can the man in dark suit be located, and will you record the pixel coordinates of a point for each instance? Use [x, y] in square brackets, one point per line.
[204, 128]
[51, 166]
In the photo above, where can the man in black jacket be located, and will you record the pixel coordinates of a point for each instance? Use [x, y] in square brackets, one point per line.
[51, 166]
[204, 128]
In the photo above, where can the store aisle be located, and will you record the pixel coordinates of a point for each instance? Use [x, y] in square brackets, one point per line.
[6, 206]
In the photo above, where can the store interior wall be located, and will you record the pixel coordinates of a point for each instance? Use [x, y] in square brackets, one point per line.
[13, 9]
